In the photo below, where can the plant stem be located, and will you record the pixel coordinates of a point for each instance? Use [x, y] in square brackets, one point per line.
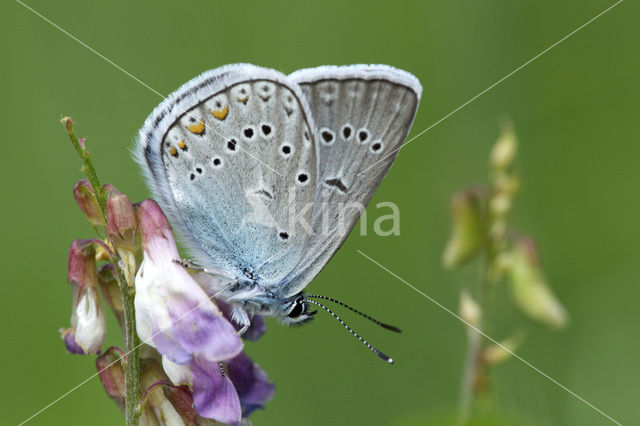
[87, 164]
[474, 349]
[132, 367]
[132, 342]
[474, 345]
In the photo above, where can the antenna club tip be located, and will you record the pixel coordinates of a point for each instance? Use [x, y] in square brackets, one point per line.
[392, 328]
[390, 361]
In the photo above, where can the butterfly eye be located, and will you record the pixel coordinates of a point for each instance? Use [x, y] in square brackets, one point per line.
[297, 310]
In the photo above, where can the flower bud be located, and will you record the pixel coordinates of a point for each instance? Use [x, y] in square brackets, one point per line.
[499, 205]
[110, 289]
[104, 251]
[81, 270]
[469, 310]
[497, 354]
[165, 397]
[154, 225]
[111, 372]
[182, 400]
[504, 150]
[88, 203]
[468, 230]
[150, 372]
[531, 292]
[66, 121]
[122, 226]
[88, 323]
[164, 403]
[158, 410]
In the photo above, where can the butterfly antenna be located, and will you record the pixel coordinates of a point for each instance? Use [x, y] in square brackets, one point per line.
[362, 314]
[350, 330]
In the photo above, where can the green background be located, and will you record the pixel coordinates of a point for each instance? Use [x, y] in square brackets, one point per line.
[575, 110]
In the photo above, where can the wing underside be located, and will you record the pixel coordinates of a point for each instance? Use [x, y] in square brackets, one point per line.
[229, 170]
[363, 114]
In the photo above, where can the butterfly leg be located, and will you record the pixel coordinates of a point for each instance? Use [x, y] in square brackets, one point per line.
[240, 316]
[189, 264]
[193, 266]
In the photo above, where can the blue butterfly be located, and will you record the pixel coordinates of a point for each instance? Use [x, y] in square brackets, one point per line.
[264, 175]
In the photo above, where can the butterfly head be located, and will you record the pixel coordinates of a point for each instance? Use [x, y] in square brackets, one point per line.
[295, 311]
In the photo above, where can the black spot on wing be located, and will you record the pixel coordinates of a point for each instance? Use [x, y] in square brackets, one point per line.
[264, 193]
[337, 183]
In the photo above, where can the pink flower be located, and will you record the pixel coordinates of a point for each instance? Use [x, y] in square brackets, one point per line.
[88, 323]
[175, 316]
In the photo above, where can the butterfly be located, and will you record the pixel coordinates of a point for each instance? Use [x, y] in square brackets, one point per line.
[263, 175]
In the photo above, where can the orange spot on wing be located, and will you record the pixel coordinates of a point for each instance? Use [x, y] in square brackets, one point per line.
[182, 145]
[173, 151]
[197, 128]
[220, 114]
[243, 100]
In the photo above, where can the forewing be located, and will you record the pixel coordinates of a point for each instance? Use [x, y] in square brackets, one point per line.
[363, 114]
[228, 156]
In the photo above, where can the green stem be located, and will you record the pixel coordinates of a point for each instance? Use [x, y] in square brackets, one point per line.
[474, 342]
[474, 346]
[87, 165]
[132, 342]
[132, 367]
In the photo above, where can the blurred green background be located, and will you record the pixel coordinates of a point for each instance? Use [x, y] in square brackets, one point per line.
[575, 111]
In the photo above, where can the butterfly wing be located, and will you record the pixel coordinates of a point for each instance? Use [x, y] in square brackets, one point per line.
[363, 114]
[228, 155]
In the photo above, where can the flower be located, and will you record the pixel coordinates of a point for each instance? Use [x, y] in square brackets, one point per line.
[531, 292]
[468, 228]
[111, 372]
[175, 316]
[251, 383]
[238, 376]
[88, 203]
[504, 150]
[121, 220]
[108, 283]
[88, 323]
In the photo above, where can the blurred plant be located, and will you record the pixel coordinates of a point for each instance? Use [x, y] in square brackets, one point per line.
[190, 368]
[480, 231]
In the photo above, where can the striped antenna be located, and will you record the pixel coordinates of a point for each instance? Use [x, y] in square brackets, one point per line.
[350, 330]
[362, 314]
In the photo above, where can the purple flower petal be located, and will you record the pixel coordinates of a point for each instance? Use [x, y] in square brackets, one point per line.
[170, 348]
[174, 314]
[69, 337]
[201, 331]
[251, 382]
[213, 393]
